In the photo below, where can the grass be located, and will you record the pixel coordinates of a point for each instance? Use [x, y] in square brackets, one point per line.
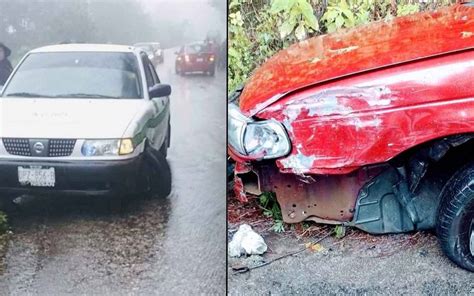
[3, 223]
[271, 209]
[3, 238]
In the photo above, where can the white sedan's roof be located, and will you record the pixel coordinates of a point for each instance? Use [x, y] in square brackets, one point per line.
[84, 47]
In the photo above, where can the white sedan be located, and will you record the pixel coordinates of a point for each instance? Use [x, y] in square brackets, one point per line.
[84, 118]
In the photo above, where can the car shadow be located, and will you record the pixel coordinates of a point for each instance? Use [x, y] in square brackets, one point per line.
[67, 207]
[72, 207]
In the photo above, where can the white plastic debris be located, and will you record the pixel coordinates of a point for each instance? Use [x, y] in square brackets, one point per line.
[246, 241]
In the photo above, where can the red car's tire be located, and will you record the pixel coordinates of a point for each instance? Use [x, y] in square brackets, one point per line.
[455, 224]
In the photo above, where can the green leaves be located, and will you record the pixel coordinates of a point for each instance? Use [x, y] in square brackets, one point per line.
[310, 19]
[236, 19]
[407, 9]
[340, 231]
[295, 13]
[287, 27]
[347, 14]
[281, 5]
[271, 209]
[278, 226]
[300, 32]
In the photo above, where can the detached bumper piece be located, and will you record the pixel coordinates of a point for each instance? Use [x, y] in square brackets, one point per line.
[375, 199]
[327, 199]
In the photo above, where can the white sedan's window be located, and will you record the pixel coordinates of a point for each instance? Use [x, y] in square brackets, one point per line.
[77, 75]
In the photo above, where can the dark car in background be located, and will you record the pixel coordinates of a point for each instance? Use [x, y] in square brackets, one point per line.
[153, 50]
[195, 57]
[159, 53]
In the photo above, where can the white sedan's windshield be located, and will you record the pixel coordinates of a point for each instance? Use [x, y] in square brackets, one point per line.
[77, 75]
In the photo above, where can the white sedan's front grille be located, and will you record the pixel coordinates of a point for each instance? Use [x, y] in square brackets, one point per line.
[17, 146]
[23, 147]
[61, 147]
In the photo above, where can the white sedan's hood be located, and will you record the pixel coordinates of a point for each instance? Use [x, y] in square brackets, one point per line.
[66, 118]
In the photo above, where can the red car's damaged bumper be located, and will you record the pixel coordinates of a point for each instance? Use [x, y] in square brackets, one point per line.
[370, 116]
[327, 199]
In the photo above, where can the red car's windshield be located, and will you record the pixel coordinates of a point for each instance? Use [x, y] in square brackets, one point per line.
[196, 48]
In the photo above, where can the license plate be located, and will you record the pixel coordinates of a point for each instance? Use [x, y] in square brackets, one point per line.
[199, 60]
[36, 176]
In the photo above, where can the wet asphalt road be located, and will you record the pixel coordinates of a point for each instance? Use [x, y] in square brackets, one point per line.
[359, 264]
[173, 246]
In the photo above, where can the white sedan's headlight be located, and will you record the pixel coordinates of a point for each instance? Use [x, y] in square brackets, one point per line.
[112, 147]
[256, 139]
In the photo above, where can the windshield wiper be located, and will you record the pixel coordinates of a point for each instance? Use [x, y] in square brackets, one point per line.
[27, 95]
[83, 95]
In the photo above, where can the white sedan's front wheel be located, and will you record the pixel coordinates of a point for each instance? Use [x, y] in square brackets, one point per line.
[156, 174]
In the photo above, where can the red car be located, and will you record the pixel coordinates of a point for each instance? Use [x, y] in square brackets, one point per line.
[371, 127]
[196, 57]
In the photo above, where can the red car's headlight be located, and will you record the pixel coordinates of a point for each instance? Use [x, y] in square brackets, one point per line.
[256, 139]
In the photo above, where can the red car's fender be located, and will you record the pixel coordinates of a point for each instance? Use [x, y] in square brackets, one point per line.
[338, 127]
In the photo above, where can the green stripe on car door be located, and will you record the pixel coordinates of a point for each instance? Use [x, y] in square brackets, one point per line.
[151, 123]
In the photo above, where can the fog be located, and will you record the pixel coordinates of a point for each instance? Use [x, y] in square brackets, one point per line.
[198, 15]
[26, 24]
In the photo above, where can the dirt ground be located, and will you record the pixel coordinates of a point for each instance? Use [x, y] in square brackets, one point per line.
[357, 264]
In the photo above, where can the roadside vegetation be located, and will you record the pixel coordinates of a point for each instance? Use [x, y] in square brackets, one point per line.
[3, 223]
[3, 238]
[253, 38]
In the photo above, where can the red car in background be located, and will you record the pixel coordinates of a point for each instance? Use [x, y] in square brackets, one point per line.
[196, 57]
[371, 127]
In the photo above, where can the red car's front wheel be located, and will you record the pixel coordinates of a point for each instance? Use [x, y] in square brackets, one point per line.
[455, 225]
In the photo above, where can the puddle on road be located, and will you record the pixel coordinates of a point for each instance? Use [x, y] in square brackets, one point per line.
[118, 237]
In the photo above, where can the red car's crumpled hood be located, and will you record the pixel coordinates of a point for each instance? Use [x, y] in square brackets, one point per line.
[356, 50]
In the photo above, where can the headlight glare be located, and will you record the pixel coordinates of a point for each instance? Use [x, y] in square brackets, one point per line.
[126, 146]
[112, 147]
